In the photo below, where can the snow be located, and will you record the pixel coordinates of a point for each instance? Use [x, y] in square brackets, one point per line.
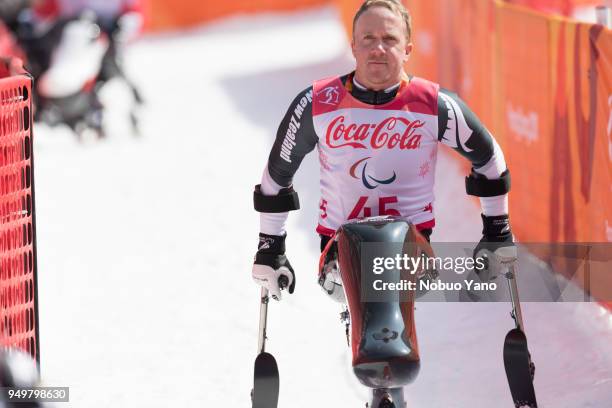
[146, 243]
[589, 15]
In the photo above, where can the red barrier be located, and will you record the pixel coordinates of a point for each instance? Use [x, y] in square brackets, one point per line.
[18, 284]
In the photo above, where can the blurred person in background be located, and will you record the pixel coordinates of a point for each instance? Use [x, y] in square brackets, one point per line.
[9, 20]
[73, 48]
[10, 10]
[119, 20]
[18, 370]
[376, 130]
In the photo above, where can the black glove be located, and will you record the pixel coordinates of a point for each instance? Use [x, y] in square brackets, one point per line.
[271, 268]
[495, 234]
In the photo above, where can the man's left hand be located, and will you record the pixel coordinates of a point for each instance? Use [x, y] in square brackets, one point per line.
[495, 234]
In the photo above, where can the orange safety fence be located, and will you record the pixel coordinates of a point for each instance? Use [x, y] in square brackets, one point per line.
[554, 111]
[18, 283]
[542, 84]
[171, 14]
[564, 7]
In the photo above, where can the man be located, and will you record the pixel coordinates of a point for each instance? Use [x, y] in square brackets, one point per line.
[377, 131]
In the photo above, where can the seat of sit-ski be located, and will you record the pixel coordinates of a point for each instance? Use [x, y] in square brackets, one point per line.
[384, 344]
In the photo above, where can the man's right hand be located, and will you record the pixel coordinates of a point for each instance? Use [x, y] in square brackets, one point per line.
[271, 268]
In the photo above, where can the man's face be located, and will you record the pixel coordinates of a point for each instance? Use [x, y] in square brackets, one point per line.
[380, 48]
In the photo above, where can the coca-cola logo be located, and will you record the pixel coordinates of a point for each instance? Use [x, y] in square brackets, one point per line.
[392, 132]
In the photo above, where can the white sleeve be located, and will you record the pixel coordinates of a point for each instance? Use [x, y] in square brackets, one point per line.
[493, 169]
[271, 223]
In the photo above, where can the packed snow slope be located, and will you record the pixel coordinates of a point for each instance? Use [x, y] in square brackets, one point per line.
[146, 244]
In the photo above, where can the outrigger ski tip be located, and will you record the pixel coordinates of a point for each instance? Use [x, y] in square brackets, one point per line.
[266, 385]
[266, 378]
[519, 369]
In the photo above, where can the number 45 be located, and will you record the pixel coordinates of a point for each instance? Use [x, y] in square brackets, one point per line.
[367, 211]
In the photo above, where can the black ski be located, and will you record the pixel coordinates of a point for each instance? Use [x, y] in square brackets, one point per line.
[265, 388]
[519, 369]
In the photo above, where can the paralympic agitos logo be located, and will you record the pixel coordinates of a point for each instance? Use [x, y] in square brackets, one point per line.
[390, 133]
[366, 179]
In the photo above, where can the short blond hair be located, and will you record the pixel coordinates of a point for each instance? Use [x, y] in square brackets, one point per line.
[395, 6]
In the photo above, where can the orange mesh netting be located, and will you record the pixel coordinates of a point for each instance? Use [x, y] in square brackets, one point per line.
[18, 300]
